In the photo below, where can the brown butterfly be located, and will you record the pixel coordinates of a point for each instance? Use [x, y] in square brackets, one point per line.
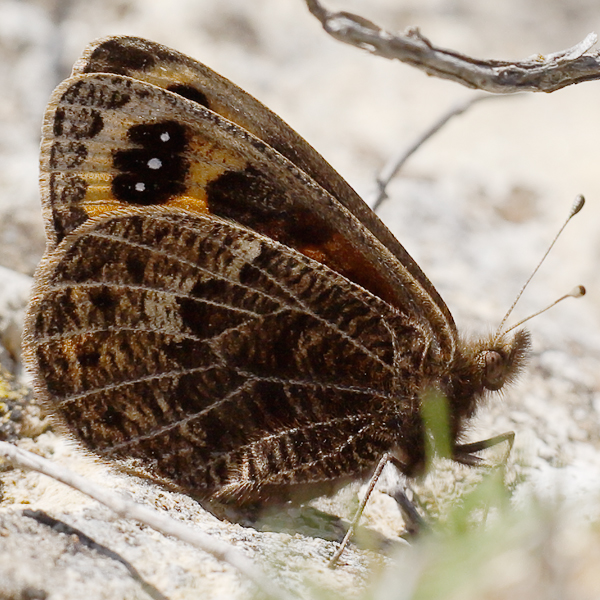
[217, 308]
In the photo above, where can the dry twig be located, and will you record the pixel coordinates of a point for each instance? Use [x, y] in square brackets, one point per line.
[393, 166]
[537, 74]
[152, 518]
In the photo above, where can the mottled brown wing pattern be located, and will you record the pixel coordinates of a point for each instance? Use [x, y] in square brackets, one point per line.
[179, 341]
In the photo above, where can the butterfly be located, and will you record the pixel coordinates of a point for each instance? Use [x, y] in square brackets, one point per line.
[217, 309]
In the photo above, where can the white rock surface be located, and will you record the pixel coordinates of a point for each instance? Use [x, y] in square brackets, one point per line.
[14, 295]
[477, 207]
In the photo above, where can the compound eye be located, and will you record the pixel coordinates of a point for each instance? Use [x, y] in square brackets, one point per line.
[494, 370]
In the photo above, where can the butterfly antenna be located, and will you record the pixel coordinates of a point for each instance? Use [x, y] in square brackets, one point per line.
[576, 293]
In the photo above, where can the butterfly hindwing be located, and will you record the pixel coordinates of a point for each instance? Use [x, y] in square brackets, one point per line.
[159, 334]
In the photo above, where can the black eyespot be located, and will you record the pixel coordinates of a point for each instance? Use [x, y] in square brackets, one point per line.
[155, 168]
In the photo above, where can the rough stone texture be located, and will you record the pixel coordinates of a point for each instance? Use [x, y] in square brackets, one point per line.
[14, 294]
[476, 207]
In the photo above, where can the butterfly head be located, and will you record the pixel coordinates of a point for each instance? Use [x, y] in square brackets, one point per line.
[485, 365]
[502, 360]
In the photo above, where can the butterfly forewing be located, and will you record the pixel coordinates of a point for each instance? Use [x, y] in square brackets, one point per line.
[153, 63]
[111, 141]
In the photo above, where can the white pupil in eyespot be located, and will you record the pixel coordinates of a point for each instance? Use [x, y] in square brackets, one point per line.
[140, 187]
[154, 163]
[165, 137]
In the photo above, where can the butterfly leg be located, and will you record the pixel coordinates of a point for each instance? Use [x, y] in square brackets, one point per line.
[464, 453]
[413, 520]
[376, 474]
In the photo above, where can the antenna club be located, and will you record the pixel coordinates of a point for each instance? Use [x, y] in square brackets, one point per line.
[576, 292]
[577, 205]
